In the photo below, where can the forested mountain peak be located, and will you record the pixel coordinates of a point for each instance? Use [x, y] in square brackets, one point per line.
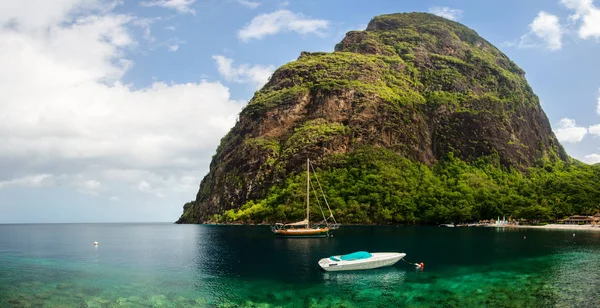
[416, 119]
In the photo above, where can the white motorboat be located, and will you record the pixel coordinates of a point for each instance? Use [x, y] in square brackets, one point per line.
[360, 260]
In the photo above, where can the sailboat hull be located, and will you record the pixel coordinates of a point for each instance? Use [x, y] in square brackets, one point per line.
[302, 232]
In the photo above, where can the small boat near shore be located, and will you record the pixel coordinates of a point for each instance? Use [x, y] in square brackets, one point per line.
[360, 260]
[304, 228]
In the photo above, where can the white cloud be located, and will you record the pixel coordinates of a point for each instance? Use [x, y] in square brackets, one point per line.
[88, 187]
[547, 31]
[91, 184]
[147, 180]
[545, 28]
[592, 159]
[249, 4]
[145, 187]
[36, 14]
[280, 21]
[586, 15]
[172, 28]
[243, 73]
[181, 6]
[569, 132]
[67, 119]
[446, 12]
[28, 181]
[594, 130]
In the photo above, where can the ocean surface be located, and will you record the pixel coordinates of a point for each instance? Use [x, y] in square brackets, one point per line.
[167, 265]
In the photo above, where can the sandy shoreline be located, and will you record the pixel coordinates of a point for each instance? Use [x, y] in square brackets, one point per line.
[553, 227]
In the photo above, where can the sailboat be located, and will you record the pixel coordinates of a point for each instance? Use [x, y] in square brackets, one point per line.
[303, 228]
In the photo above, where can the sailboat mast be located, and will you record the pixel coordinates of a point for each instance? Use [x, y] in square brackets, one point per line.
[307, 191]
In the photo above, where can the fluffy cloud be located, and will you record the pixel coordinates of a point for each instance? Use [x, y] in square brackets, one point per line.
[569, 132]
[546, 27]
[586, 16]
[592, 158]
[67, 119]
[594, 130]
[546, 30]
[258, 75]
[249, 4]
[21, 13]
[446, 12]
[280, 21]
[181, 6]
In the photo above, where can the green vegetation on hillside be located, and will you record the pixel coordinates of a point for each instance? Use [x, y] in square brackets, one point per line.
[376, 186]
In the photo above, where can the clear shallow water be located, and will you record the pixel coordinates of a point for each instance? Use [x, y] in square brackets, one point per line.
[166, 265]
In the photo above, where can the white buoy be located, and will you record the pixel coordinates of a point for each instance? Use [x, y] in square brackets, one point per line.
[95, 243]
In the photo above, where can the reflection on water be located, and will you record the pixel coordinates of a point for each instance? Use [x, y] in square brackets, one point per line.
[299, 256]
[248, 252]
[301, 247]
[370, 278]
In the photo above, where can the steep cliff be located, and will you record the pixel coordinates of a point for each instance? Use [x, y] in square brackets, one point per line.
[410, 92]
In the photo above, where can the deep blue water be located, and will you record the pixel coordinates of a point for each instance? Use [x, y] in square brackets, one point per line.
[167, 265]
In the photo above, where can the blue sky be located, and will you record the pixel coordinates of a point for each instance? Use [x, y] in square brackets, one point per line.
[111, 110]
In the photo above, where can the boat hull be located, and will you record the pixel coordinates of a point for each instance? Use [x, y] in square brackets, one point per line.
[377, 260]
[324, 232]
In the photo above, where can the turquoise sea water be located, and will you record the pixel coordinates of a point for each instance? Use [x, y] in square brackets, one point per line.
[166, 265]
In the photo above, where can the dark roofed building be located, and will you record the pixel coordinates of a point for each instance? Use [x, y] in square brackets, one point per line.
[576, 219]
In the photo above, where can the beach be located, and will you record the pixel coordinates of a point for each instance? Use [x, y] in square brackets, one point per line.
[553, 226]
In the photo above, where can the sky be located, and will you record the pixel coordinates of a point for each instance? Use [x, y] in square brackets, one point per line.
[111, 110]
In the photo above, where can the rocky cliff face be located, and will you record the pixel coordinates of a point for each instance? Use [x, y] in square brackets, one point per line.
[416, 84]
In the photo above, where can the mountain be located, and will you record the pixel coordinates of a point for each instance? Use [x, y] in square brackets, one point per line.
[416, 119]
